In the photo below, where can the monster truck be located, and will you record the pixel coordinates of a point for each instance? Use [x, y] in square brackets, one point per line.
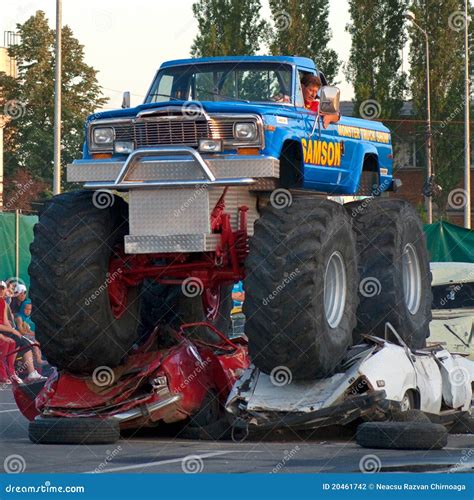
[222, 175]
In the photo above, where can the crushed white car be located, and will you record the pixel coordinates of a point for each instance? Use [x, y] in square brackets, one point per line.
[376, 378]
[452, 325]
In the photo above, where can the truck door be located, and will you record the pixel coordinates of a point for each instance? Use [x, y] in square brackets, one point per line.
[321, 150]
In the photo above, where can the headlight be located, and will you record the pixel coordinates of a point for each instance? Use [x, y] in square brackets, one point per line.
[123, 147]
[246, 131]
[210, 145]
[103, 136]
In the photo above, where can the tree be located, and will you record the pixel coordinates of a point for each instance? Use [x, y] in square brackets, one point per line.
[374, 67]
[440, 19]
[29, 99]
[228, 27]
[301, 28]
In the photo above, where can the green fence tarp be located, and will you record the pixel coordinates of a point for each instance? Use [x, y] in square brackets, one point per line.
[7, 245]
[449, 243]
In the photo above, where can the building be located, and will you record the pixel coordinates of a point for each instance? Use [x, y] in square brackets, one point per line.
[408, 139]
[8, 66]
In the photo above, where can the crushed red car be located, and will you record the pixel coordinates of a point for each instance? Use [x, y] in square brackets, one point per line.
[170, 378]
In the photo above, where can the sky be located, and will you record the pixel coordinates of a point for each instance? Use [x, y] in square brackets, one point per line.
[127, 40]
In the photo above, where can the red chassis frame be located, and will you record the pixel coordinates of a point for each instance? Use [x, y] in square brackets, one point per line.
[167, 385]
[211, 270]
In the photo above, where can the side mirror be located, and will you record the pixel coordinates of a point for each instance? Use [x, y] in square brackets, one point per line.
[126, 100]
[329, 100]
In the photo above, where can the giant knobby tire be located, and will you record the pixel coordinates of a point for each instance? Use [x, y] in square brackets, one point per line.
[299, 258]
[73, 243]
[394, 270]
[402, 435]
[73, 431]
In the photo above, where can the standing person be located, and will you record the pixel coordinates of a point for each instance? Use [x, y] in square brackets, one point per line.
[20, 342]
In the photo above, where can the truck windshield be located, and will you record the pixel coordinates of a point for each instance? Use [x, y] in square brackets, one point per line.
[256, 82]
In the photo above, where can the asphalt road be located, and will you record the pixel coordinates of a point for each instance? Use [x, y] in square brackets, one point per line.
[335, 451]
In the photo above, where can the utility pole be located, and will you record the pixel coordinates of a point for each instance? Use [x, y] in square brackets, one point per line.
[3, 122]
[429, 169]
[467, 134]
[57, 102]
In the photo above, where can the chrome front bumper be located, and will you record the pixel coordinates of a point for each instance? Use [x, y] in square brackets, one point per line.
[177, 166]
[172, 192]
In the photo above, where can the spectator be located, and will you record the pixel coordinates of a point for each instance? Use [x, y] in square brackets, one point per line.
[238, 296]
[26, 327]
[10, 293]
[7, 361]
[23, 319]
[18, 299]
[23, 343]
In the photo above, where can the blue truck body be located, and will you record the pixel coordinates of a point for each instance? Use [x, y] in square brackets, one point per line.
[333, 158]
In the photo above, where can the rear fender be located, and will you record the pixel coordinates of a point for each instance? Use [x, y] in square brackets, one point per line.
[361, 151]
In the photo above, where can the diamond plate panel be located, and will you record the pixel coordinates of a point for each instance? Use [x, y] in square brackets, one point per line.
[171, 243]
[230, 167]
[235, 198]
[93, 171]
[164, 212]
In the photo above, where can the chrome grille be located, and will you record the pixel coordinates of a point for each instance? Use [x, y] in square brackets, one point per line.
[187, 132]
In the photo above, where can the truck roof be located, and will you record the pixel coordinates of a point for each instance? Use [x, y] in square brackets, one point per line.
[302, 62]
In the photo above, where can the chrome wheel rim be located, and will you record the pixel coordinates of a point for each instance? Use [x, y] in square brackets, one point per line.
[411, 278]
[405, 403]
[335, 283]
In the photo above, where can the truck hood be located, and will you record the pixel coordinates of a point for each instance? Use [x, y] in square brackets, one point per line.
[208, 106]
[237, 107]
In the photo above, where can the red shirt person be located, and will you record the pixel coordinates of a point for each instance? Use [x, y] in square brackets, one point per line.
[310, 85]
